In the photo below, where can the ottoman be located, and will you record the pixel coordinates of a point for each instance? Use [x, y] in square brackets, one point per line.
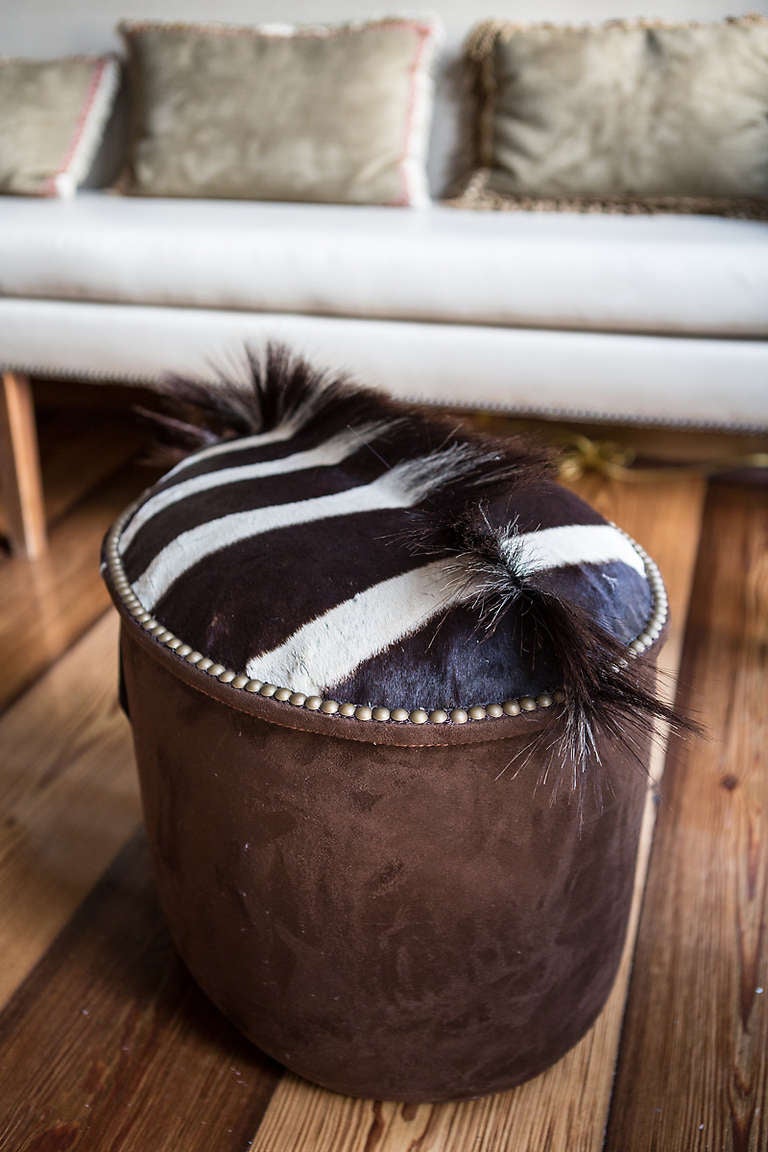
[391, 692]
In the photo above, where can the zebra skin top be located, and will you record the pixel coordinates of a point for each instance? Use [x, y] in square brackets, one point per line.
[343, 545]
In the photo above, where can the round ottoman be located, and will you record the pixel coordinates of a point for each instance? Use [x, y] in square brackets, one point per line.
[391, 692]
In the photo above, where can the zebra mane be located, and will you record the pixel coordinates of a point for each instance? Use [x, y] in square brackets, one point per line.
[284, 390]
[279, 389]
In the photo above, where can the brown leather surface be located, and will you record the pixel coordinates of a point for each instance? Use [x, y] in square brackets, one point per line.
[409, 923]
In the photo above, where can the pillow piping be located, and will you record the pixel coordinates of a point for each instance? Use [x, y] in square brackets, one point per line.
[414, 155]
[88, 130]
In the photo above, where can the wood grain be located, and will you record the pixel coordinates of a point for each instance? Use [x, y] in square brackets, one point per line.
[58, 596]
[68, 796]
[110, 1045]
[693, 1072]
[567, 1107]
[20, 478]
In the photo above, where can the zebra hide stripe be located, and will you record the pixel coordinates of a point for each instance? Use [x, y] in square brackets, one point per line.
[326, 651]
[331, 541]
[332, 451]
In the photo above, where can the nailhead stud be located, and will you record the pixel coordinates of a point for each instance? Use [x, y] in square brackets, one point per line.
[124, 589]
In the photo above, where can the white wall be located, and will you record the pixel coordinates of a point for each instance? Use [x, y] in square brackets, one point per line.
[42, 27]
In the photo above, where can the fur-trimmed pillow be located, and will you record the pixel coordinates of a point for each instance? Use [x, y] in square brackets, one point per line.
[330, 114]
[52, 115]
[630, 116]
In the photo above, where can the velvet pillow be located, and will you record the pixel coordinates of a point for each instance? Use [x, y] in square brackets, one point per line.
[627, 116]
[272, 113]
[52, 115]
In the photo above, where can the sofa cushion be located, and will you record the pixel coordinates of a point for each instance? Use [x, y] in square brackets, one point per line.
[681, 380]
[661, 274]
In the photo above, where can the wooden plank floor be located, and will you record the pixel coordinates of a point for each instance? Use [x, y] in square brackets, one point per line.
[105, 1044]
[697, 1018]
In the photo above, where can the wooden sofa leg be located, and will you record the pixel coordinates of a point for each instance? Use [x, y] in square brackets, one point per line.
[20, 481]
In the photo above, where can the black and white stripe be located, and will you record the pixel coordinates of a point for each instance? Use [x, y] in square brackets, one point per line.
[289, 553]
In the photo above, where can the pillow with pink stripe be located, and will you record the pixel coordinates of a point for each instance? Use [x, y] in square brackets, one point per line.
[328, 114]
[52, 116]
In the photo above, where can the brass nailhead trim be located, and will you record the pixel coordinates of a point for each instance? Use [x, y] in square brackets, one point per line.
[473, 714]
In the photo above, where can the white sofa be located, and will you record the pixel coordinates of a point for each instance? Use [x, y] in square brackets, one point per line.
[659, 319]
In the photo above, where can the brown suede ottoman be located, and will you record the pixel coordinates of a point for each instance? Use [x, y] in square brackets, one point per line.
[391, 691]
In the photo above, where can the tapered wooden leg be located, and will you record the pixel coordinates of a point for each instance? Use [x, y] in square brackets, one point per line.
[20, 482]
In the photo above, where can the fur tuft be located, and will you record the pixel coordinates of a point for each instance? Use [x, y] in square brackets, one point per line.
[448, 475]
[602, 692]
[281, 389]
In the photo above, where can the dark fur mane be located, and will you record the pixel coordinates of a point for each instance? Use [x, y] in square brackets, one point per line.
[279, 387]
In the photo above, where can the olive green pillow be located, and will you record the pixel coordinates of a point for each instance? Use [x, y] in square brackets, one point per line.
[52, 115]
[324, 114]
[627, 116]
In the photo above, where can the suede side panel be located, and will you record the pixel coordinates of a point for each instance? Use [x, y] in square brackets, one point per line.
[409, 923]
